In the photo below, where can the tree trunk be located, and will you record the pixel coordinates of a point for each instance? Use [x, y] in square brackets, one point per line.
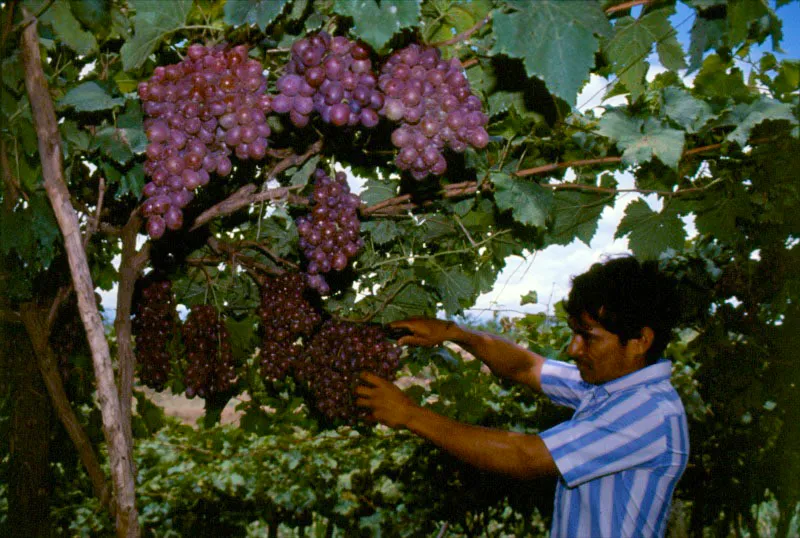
[49, 142]
[35, 320]
[29, 438]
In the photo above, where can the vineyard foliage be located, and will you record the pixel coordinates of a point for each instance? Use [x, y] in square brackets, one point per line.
[706, 128]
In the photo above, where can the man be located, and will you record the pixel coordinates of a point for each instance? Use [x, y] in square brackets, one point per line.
[619, 457]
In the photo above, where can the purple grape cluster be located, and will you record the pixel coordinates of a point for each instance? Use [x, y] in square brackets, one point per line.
[154, 325]
[199, 111]
[333, 360]
[331, 76]
[210, 368]
[330, 233]
[432, 100]
[286, 314]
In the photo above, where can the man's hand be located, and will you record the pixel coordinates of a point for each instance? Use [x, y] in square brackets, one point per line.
[425, 332]
[387, 403]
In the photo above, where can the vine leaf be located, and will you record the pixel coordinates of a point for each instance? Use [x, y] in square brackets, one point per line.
[381, 231]
[747, 115]
[528, 201]
[376, 22]
[650, 233]
[687, 111]
[259, 12]
[152, 22]
[89, 97]
[556, 40]
[641, 140]
[377, 191]
[68, 29]
[455, 288]
[632, 41]
[575, 215]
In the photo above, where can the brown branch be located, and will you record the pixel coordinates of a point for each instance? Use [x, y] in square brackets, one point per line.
[236, 257]
[37, 325]
[569, 164]
[94, 223]
[627, 5]
[11, 181]
[61, 296]
[49, 142]
[263, 248]
[466, 34]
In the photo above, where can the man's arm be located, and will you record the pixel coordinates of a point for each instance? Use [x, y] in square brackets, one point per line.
[513, 454]
[505, 358]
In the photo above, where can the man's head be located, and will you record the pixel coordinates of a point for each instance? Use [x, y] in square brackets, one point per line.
[620, 307]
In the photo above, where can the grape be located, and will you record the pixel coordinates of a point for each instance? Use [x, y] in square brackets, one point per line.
[154, 324]
[212, 102]
[332, 224]
[432, 100]
[210, 369]
[339, 86]
[331, 363]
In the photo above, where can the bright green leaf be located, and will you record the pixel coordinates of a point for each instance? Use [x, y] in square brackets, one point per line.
[152, 22]
[259, 12]
[688, 112]
[556, 40]
[641, 140]
[529, 298]
[650, 233]
[377, 21]
[89, 97]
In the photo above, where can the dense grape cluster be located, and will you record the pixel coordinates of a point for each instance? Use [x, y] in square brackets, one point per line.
[210, 368]
[432, 100]
[154, 324]
[199, 111]
[333, 360]
[331, 76]
[286, 314]
[330, 233]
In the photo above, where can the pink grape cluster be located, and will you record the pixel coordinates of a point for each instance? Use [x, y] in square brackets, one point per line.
[210, 367]
[154, 325]
[330, 233]
[199, 111]
[432, 100]
[286, 314]
[331, 76]
[333, 360]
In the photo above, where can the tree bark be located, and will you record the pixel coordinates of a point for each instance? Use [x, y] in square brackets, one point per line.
[28, 438]
[49, 142]
[35, 321]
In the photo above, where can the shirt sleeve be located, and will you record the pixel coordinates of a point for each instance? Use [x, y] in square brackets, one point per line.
[628, 434]
[562, 383]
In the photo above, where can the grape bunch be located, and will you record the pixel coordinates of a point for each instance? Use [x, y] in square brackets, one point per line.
[286, 314]
[432, 100]
[333, 360]
[331, 76]
[154, 324]
[330, 233]
[199, 111]
[210, 368]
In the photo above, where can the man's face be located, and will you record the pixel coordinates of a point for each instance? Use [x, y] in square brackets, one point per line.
[598, 353]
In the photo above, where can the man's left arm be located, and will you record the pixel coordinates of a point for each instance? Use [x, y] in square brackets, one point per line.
[517, 455]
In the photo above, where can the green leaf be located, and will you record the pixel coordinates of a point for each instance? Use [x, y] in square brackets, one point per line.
[455, 289]
[300, 176]
[76, 139]
[650, 233]
[556, 40]
[152, 23]
[96, 14]
[641, 140]
[89, 97]
[381, 231]
[714, 81]
[747, 116]
[705, 34]
[528, 201]
[376, 190]
[377, 21]
[412, 300]
[688, 112]
[259, 12]
[632, 42]
[575, 216]
[529, 298]
[68, 29]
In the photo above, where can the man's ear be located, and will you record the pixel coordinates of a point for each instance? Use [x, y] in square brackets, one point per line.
[643, 343]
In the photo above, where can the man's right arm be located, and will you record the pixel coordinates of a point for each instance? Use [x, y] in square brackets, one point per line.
[503, 357]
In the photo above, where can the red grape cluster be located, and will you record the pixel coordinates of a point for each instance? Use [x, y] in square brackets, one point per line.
[332, 76]
[333, 360]
[330, 233]
[432, 100]
[210, 368]
[199, 111]
[154, 325]
[285, 315]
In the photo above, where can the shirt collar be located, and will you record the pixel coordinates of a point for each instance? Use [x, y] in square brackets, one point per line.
[655, 373]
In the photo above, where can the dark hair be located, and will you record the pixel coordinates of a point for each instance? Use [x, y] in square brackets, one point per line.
[625, 296]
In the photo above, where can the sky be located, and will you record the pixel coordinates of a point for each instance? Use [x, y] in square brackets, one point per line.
[548, 272]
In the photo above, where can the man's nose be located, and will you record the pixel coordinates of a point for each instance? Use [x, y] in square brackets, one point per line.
[576, 346]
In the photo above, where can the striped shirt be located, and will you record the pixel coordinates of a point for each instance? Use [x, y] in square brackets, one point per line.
[619, 456]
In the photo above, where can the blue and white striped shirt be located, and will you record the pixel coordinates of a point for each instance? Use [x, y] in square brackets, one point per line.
[619, 456]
